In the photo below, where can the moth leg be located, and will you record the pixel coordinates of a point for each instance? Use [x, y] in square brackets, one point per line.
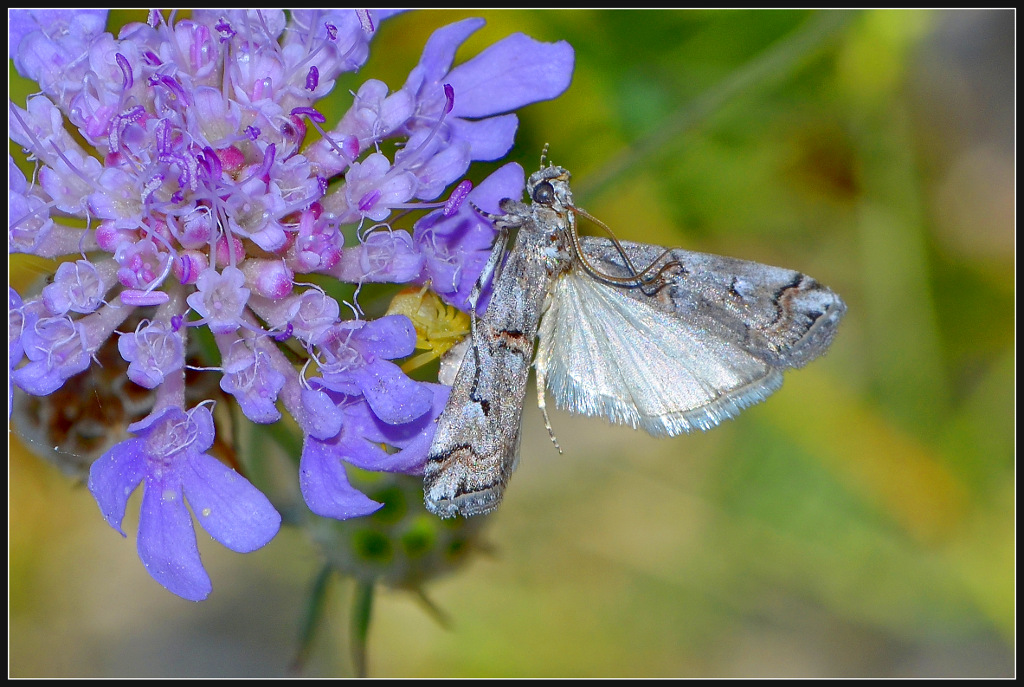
[542, 401]
[492, 268]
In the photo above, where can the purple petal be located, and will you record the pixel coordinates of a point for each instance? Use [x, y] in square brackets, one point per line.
[394, 397]
[197, 424]
[15, 326]
[455, 248]
[355, 447]
[391, 336]
[413, 438]
[56, 349]
[384, 256]
[255, 387]
[39, 379]
[437, 173]
[325, 485]
[228, 506]
[153, 353]
[439, 52]
[83, 24]
[20, 23]
[507, 181]
[444, 274]
[78, 27]
[167, 542]
[513, 72]
[489, 139]
[467, 229]
[319, 416]
[114, 477]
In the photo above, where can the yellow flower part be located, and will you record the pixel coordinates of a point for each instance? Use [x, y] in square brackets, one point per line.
[439, 326]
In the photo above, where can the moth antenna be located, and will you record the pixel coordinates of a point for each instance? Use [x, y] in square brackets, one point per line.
[654, 283]
[544, 155]
[483, 212]
[644, 278]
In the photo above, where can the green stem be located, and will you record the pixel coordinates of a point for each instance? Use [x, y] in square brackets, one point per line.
[362, 609]
[311, 617]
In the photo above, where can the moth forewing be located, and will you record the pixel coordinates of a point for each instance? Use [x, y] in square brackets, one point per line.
[476, 444]
[779, 315]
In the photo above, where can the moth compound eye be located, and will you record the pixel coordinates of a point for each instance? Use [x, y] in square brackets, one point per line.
[544, 193]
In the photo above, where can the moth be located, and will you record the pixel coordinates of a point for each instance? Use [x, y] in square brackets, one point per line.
[665, 340]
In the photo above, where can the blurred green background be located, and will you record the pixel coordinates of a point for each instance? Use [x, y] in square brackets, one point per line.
[859, 523]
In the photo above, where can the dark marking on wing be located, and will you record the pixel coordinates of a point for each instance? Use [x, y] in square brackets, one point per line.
[782, 296]
[441, 457]
[782, 316]
[514, 340]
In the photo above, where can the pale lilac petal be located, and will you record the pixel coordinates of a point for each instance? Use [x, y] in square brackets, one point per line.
[255, 384]
[56, 348]
[153, 353]
[114, 476]
[75, 28]
[82, 23]
[228, 506]
[77, 286]
[315, 311]
[385, 256]
[221, 298]
[167, 542]
[374, 114]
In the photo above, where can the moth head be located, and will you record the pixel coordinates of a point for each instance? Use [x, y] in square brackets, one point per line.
[550, 187]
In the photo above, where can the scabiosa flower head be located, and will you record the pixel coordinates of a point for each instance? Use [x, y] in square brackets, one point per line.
[201, 214]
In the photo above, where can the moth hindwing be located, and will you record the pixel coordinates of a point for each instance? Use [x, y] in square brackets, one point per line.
[665, 340]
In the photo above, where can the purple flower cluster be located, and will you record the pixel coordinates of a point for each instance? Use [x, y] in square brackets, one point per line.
[203, 206]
